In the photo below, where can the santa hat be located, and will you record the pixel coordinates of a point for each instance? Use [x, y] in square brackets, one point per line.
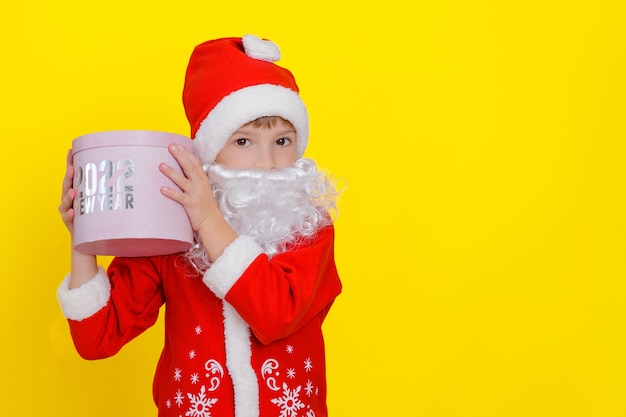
[232, 81]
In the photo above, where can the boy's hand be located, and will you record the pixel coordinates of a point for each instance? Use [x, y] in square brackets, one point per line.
[68, 194]
[198, 200]
[196, 193]
[84, 266]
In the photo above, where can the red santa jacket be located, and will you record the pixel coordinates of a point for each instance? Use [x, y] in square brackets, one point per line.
[243, 340]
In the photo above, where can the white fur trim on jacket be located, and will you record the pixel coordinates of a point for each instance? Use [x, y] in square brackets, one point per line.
[238, 362]
[231, 264]
[243, 106]
[84, 301]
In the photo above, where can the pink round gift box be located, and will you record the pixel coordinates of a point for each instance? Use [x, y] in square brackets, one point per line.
[119, 208]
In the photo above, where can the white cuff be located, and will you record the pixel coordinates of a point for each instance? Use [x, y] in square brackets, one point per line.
[231, 264]
[84, 301]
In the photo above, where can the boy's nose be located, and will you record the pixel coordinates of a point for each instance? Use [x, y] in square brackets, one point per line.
[266, 160]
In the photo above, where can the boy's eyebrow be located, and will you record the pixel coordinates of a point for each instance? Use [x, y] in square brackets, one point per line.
[288, 130]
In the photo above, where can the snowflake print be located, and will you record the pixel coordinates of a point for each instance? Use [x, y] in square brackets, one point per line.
[289, 403]
[192, 354]
[289, 349]
[200, 404]
[310, 413]
[168, 404]
[308, 365]
[198, 330]
[195, 378]
[291, 373]
[308, 388]
[179, 398]
[177, 374]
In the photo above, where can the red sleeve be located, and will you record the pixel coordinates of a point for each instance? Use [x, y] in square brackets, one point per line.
[133, 306]
[276, 297]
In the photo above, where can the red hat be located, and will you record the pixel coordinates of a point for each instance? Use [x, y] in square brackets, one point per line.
[232, 81]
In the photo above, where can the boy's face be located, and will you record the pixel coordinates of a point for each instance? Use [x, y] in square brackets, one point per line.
[260, 147]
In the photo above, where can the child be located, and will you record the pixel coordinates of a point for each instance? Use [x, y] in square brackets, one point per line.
[245, 306]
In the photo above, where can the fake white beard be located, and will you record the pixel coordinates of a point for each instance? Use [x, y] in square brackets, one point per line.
[277, 208]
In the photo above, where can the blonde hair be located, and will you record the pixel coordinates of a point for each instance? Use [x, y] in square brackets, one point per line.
[267, 122]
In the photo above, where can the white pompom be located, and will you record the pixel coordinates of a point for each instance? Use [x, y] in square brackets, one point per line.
[258, 48]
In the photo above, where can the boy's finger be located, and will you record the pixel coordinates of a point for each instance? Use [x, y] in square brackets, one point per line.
[69, 174]
[188, 162]
[177, 178]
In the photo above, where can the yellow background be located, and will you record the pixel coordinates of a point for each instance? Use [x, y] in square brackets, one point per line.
[481, 236]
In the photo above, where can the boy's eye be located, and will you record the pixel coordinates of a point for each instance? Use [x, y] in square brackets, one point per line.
[241, 142]
[283, 141]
